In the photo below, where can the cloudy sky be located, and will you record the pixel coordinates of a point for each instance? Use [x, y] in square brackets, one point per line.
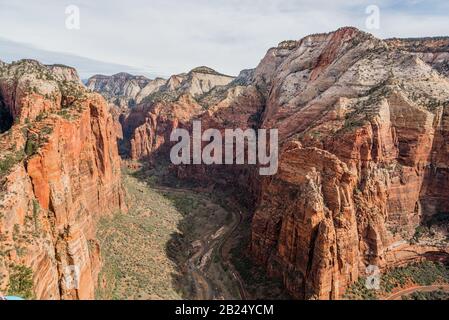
[164, 37]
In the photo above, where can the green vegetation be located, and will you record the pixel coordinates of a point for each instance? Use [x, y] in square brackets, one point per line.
[434, 296]
[359, 291]
[21, 282]
[161, 96]
[72, 92]
[423, 274]
[351, 124]
[9, 161]
[65, 113]
[32, 145]
[145, 250]
[315, 135]
[186, 204]
[419, 274]
[439, 220]
[45, 131]
[419, 233]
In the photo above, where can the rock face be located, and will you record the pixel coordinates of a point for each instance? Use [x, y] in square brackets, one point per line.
[174, 103]
[434, 51]
[64, 73]
[146, 110]
[147, 127]
[121, 89]
[362, 126]
[363, 162]
[59, 173]
[125, 90]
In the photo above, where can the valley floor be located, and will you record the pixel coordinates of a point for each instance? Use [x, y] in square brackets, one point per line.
[172, 244]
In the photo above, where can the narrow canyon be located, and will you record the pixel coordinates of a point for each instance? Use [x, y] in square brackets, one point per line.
[363, 179]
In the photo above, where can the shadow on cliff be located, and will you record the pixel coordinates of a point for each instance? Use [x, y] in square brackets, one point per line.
[6, 120]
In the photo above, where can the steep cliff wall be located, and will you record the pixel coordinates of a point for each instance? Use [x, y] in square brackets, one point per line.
[363, 163]
[147, 110]
[60, 172]
[362, 126]
[148, 126]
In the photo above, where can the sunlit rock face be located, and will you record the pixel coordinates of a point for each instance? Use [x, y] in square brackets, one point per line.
[363, 151]
[60, 172]
[144, 109]
[364, 159]
[434, 51]
[121, 88]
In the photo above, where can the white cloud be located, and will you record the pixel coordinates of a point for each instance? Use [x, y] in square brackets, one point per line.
[172, 36]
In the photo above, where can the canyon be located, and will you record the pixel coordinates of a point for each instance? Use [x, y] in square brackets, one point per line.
[363, 159]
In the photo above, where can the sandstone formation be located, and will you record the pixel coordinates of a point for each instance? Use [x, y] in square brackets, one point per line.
[121, 89]
[434, 51]
[363, 161]
[125, 90]
[363, 128]
[164, 105]
[59, 172]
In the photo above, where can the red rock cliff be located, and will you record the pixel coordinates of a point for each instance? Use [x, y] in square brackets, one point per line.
[60, 173]
[362, 126]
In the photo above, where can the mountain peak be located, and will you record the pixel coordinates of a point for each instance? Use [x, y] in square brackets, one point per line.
[203, 69]
[207, 70]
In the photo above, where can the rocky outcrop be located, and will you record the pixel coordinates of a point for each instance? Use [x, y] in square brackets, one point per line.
[305, 227]
[60, 172]
[64, 73]
[121, 89]
[361, 124]
[134, 90]
[178, 101]
[363, 163]
[146, 126]
[434, 51]
[201, 80]
[152, 87]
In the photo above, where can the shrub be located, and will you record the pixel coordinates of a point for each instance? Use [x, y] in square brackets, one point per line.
[8, 162]
[31, 147]
[21, 282]
[36, 211]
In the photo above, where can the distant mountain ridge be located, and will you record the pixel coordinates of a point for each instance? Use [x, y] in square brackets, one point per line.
[128, 90]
